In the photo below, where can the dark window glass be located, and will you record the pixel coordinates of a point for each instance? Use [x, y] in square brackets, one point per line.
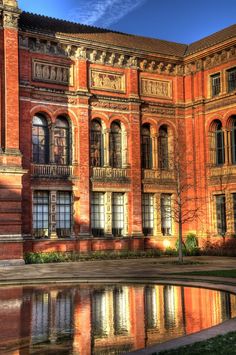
[40, 318]
[151, 307]
[63, 214]
[96, 144]
[117, 214]
[40, 213]
[221, 214]
[120, 309]
[61, 141]
[219, 141]
[163, 148]
[215, 84]
[97, 214]
[233, 142]
[146, 149]
[147, 214]
[40, 140]
[231, 79]
[166, 220]
[115, 146]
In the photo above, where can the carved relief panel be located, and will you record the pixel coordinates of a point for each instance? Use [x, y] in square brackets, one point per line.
[107, 81]
[52, 73]
[156, 88]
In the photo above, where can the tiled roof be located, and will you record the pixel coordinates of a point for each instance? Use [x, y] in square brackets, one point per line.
[215, 38]
[46, 24]
[50, 25]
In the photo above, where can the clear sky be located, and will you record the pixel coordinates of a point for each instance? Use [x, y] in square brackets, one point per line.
[183, 21]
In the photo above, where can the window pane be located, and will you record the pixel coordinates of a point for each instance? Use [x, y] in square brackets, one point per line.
[61, 142]
[166, 218]
[40, 213]
[215, 84]
[117, 213]
[96, 144]
[63, 214]
[147, 214]
[115, 146]
[40, 140]
[97, 214]
[231, 79]
[146, 148]
[221, 214]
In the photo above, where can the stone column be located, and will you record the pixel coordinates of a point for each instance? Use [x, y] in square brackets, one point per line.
[124, 148]
[157, 214]
[106, 133]
[154, 151]
[108, 213]
[52, 214]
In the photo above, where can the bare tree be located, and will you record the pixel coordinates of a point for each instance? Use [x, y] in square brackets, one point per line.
[186, 205]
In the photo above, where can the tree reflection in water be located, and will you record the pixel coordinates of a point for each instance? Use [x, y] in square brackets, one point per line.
[94, 319]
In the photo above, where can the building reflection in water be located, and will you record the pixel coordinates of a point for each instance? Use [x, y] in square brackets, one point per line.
[105, 319]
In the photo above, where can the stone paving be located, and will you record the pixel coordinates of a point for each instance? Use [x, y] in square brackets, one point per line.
[156, 270]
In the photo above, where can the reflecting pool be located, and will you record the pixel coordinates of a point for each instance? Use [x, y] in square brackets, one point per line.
[104, 319]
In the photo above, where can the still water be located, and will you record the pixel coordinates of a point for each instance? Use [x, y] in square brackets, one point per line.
[104, 319]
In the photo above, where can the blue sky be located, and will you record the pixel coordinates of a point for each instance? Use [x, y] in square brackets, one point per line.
[182, 21]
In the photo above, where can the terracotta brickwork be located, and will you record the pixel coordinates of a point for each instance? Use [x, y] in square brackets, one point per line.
[83, 78]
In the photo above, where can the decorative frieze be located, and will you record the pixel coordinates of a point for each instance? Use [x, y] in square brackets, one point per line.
[156, 88]
[109, 105]
[47, 72]
[108, 81]
[151, 109]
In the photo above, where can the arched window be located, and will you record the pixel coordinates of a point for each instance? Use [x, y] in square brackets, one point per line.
[40, 140]
[163, 148]
[146, 150]
[61, 141]
[219, 144]
[233, 140]
[96, 144]
[115, 145]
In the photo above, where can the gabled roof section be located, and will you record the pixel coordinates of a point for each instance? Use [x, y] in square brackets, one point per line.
[44, 24]
[215, 38]
[49, 25]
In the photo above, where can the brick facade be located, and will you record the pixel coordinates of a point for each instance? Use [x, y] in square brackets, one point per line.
[62, 73]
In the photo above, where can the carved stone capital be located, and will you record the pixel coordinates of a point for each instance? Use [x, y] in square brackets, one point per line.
[10, 19]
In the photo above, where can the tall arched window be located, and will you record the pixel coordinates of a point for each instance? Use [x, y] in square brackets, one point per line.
[233, 140]
[146, 150]
[163, 148]
[61, 141]
[115, 145]
[96, 144]
[40, 140]
[219, 144]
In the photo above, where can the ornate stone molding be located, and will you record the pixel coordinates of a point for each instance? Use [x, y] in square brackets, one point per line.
[109, 105]
[151, 109]
[108, 81]
[156, 88]
[49, 72]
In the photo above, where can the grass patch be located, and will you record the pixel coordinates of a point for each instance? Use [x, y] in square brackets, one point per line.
[222, 344]
[58, 257]
[185, 262]
[219, 273]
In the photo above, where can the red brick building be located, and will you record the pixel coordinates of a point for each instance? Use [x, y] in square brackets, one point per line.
[91, 123]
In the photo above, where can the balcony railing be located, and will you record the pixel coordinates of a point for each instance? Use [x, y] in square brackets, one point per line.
[223, 171]
[51, 171]
[110, 174]
[152, 175]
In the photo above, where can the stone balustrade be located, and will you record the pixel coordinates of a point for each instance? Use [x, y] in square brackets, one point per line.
[51, 170]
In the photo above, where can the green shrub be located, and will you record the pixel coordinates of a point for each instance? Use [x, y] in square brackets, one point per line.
[57, 257]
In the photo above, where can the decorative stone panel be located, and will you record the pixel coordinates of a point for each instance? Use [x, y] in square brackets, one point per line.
[156, 88]
[107, 81]
[52, 73]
